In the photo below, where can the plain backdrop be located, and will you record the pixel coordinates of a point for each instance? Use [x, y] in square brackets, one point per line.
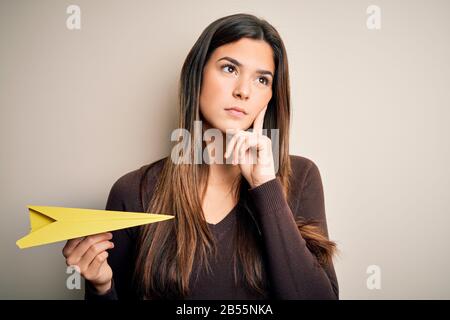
[80, 108]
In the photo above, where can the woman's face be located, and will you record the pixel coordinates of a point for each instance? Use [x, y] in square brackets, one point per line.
[238, 74]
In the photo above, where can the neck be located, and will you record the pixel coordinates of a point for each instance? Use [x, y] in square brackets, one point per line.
[221, 174]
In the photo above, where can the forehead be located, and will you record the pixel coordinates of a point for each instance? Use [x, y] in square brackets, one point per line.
[253, 54]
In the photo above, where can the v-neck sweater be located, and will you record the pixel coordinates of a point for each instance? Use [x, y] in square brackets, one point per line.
[290, 267]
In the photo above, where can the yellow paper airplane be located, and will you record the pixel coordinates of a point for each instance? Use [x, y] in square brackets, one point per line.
[53, 224]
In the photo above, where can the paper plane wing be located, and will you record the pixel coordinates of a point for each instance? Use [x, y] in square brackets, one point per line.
[53, 224]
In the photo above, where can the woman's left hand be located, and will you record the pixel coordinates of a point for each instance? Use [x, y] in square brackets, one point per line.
[245, 146]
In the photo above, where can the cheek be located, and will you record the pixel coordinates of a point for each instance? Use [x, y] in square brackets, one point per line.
[262, 101]
[214, 90]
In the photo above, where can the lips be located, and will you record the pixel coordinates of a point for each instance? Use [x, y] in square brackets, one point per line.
[236, 109]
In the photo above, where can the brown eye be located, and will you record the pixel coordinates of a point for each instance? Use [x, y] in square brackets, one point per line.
[228, 67]
[266, 81]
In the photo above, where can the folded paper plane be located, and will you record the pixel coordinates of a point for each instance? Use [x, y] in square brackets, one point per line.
[53, 224]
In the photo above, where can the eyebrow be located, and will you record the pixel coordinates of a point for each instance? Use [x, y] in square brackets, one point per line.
[260, 71]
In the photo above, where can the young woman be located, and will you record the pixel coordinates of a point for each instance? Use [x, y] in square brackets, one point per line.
[242, 230]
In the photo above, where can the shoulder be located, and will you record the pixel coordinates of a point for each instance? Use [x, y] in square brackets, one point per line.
[301, 163]
[304, 172]
[306, 186]
[126, 190]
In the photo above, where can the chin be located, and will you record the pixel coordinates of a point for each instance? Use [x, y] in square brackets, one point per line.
[225, 125]
[228, 126]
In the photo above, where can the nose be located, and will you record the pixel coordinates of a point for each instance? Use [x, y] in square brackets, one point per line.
[242, 90]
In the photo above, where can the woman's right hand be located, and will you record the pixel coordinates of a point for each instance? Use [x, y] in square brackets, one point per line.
[90, 255]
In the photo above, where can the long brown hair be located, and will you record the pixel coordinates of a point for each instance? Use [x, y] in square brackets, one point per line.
[166, 250]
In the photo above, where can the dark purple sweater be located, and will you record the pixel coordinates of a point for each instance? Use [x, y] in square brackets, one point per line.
[292, 270]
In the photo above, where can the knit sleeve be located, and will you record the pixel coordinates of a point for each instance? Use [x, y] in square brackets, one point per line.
[120, 257]
[294, 271]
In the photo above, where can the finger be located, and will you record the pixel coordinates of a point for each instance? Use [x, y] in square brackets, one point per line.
[70, 246]
[259, 121]
[251, 143]
[231, 144]
[264, 150]
[243, 150]
[229, 135]
[239, 143]
[84, 245]
[227, 151]
[92, 252]
[94, 268]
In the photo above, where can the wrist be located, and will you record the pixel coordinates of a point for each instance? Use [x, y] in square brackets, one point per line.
[103, 288]
[258, 183]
